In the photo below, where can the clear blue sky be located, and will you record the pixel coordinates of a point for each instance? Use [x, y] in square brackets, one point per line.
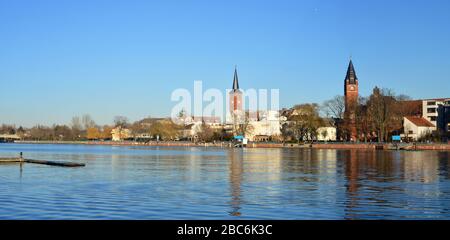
[64, 58]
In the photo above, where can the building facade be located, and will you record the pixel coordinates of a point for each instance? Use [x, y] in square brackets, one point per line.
[416, 127]
[430, 108]
[443, 121]
[119, 134]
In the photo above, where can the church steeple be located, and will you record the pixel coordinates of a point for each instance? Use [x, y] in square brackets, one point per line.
[351, 102]
[235, 94]
[351, 74]
[235, 80]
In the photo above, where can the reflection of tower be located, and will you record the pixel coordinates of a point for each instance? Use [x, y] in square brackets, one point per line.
[352, 181]
[351, 99]
[236, 171]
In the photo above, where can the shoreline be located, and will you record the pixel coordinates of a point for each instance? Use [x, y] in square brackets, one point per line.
[367, 146]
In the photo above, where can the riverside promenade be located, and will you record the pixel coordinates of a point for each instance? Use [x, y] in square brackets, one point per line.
[331, 145]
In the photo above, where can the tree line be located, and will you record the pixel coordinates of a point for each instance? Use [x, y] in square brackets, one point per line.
[377, 118]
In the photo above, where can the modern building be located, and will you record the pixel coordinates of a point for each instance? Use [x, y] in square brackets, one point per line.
[351, 100]
[430, 108]
[443, 121]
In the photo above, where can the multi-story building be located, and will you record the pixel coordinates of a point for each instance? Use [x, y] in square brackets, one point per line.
[430, 108]
[443, 121]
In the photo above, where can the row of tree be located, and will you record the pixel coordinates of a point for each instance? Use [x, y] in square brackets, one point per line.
[377, 117]
[80, 128]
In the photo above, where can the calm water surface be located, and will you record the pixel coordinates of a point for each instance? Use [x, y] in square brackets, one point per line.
[216, 183]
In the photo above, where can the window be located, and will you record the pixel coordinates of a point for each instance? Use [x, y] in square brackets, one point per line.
[431, 103]
[410, 132]
[433, 118]
[431, 110]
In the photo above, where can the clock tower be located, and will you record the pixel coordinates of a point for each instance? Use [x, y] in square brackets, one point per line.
[351, 101]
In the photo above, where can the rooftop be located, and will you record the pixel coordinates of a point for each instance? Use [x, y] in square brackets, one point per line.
[420, 122]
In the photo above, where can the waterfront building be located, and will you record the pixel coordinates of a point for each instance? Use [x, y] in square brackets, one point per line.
[265, 127]
[259, 125]
[351, 100]
[430, 108]
[416, 127]
[434, 111]
[9, 137]
[193, 126]
[327, 133]
[443, 121]
[120, 134]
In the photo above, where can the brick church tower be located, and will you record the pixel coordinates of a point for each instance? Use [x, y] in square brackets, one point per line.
[351, 100]
[235, 96]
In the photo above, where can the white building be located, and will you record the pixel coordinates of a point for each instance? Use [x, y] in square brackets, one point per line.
[264, 126]
[120, 134]
[416, 127]
[430, 108]
[326, 134]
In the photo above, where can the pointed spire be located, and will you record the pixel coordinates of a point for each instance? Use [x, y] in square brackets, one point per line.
[235, 80]
[351, 74]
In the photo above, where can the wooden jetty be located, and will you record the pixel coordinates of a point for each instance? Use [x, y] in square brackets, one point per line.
[11, 160]
[51, 163]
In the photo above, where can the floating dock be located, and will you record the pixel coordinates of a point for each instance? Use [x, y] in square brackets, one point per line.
[51, 163]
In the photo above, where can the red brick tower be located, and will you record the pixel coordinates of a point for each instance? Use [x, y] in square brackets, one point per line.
[235, 95]
[351, 100]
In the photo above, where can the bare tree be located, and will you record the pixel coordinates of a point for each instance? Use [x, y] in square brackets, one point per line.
[120, 121]
[88, 122]
[241, 124]
[381, 109]
[76, 127]
[334, 107]
[206, 133]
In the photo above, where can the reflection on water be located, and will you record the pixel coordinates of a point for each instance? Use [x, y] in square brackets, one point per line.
[236, 165]
[222, 183]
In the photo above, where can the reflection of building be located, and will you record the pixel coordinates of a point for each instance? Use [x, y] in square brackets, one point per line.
[352, 171]
[236, 172]
[351, 99]
[352, 179]
[421, 167]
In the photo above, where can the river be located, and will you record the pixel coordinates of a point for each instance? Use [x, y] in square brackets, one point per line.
[120, 182]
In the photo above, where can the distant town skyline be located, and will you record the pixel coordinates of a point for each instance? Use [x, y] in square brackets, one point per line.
[64, 59]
